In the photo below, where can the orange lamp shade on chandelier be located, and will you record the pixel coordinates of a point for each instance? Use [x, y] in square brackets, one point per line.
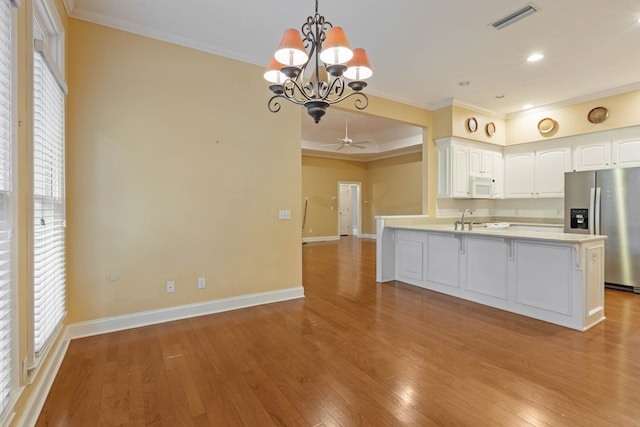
[310, 69]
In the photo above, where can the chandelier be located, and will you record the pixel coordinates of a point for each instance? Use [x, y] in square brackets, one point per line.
[310, 70]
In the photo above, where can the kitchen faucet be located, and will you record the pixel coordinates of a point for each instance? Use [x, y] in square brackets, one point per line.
[461, 222]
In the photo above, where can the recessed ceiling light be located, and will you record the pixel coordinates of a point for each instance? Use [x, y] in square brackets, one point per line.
[527, 106]
[464, 83]
[535, 57]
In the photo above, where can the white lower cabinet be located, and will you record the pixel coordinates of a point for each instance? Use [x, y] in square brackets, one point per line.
[409, 256]
[442, 260]
[545, 278]
[547, 288]
[486, 267]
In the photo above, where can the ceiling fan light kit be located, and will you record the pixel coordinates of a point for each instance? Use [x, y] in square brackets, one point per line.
[311, 69]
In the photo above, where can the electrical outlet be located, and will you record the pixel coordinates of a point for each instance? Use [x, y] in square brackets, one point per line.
[171, 286]
[201, 283]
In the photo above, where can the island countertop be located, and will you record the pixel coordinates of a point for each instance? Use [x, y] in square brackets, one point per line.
[511, 233]
[531, 270]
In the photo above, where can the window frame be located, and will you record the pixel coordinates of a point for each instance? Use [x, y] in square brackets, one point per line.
[48, 38]
[7, 412]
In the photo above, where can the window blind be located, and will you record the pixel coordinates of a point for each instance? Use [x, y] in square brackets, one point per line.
[48, 203]
[6, 138]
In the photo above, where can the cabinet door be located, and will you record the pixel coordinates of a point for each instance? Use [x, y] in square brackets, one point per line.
[550, 168]
[475, 162]
[498, 176]
[480, 162]
[519, 175]
[487, 163]
[443, 181]
[626, 152]
[460, 176]
[593, 156]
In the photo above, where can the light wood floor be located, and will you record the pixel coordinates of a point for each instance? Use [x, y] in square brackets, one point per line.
[355, 352]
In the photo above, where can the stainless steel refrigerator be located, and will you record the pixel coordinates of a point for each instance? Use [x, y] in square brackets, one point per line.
[608, 202]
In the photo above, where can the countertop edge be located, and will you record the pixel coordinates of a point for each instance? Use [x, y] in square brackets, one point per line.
[506, 233]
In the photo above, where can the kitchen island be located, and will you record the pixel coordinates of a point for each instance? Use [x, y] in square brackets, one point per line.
[551, 276]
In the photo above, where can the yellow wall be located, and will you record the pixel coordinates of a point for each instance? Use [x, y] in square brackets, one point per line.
[416, 116]
[389, 187]
[320, 179]
[624, 111]
[174, 174]
[459, 117]
[394, 187]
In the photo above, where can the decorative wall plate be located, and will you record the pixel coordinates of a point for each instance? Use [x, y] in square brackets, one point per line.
[490, 129]
[598, 115]
[472, 124]
[546, 125]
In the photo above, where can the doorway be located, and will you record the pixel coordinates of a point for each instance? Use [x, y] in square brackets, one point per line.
[349, 208]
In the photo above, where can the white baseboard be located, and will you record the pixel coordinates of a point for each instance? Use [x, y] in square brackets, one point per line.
[320, 239]
[333, 238]
[118, 323]
[152, 317]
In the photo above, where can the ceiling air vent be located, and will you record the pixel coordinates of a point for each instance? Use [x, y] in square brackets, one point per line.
[514, 17]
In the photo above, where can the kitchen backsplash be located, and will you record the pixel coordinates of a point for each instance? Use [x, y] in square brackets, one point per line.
[526, 210]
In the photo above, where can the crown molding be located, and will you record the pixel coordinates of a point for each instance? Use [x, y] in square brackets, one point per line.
[165, 36]
[578, 100]
[452, 102]
[69, 6]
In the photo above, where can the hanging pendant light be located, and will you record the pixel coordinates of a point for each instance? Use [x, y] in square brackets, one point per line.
[310, 70]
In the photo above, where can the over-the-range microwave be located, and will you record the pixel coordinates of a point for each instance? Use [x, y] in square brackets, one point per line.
[481, 187]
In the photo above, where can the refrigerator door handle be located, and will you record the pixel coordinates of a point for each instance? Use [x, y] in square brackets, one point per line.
[597, 211]
[592, 196]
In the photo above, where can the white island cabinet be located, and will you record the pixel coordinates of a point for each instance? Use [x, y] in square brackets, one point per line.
[555, 277]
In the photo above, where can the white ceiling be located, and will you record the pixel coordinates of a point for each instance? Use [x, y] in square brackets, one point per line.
[419, 50]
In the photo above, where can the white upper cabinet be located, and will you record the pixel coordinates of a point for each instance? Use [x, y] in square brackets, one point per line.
[481, 162]
[453, 170]
[459, 160]
[592, 156]
[612, 149]
[532, 170]
[519, 175]
[551, 166]
[626, 152]
[498, 175]
[536, 174]
[460, 172]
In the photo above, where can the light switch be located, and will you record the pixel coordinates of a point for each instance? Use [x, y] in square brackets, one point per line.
[284, 214]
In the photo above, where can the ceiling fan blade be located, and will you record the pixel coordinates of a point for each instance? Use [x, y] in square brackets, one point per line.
[357, 146]
[361, 142]
[340, 148]
[331, 145]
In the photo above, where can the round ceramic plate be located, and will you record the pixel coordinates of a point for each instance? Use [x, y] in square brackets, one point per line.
[546, 125]
[472, 124]
[491, 129]
[598, 115]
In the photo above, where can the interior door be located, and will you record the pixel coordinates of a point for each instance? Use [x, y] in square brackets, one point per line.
[344, 210]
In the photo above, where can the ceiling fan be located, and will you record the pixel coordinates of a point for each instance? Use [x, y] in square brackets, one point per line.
[346, 141]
